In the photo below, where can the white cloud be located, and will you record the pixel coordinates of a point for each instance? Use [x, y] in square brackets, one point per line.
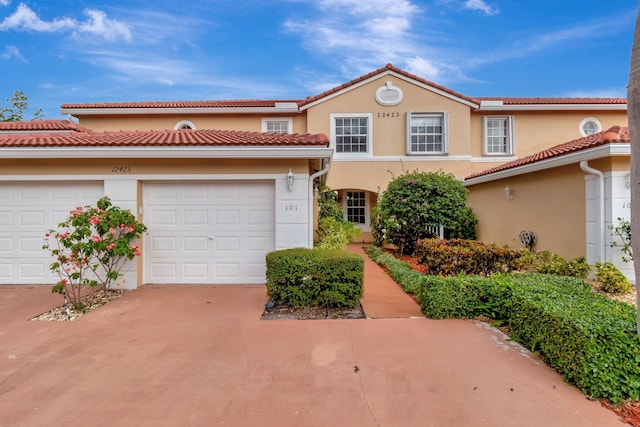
[4, 2]
[481, 6]
[424, 68]
[12, 52]
[25, 19]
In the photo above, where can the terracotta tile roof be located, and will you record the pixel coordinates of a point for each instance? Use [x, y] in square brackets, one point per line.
[41, 126]
[616, 134]
[543, 101]
[387, 67]
[240, 103]
[185, 138]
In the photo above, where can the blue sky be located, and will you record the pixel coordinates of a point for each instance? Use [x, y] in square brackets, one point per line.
[150, 50]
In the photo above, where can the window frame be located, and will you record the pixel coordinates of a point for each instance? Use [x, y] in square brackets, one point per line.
[586, 120]
[445, 133]
[267, 120]
[184, 125]
[366, 226]
[334, 142]
[510, 143]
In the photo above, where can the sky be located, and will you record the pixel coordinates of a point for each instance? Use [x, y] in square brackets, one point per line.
[71, 51]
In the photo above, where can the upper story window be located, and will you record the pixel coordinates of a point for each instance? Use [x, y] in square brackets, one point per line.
[351, 133]
[184, 124]
[279, 125]
[498, 135]
[426, 133]
[589, 126]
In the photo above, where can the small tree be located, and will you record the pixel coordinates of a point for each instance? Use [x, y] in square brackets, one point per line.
[18, 105]
[623, 231]
[91, 247]
[416, 202]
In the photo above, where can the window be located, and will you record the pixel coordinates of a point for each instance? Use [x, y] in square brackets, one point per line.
[356, 208]
[184, 125]
[427, 133]
[498, 135]
[589, 126]
[351, 133]
[280, 125]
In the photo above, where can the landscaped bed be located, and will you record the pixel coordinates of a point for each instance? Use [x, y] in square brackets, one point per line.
[587, 337]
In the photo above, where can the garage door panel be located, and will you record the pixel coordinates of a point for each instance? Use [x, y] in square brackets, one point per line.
[196, 245]
[222, 225]
[6, 245]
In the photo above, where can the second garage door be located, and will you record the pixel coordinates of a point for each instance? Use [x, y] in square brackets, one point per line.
[208, 232]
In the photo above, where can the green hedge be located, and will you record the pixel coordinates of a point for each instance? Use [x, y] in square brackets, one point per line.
[314, 277]
[589, 339]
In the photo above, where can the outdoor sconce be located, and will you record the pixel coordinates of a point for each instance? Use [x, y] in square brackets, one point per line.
[290, 178]
[508, 193]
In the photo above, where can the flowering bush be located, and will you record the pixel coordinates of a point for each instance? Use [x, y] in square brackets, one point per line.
[91, 247]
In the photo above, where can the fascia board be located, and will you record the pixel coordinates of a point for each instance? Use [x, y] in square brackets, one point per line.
[142, 152]
[567, 159]
[175, 111]
[555, 107]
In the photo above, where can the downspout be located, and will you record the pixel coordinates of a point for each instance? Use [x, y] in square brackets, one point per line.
[311, 194]
[584, 165]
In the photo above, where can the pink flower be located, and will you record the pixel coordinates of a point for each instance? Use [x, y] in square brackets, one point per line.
[46, 234]
[112, 231]
[95, 220]
[111, 246]
[135, 247]
[64, 235]
[64, 281]
[96, 239]
[137, 253]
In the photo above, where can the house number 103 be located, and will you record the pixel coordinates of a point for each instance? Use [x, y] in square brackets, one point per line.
[291, 207]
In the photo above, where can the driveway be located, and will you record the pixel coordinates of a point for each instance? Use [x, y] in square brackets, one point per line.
[200, 356]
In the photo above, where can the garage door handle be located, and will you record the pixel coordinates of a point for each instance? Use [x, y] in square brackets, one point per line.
[210, 237]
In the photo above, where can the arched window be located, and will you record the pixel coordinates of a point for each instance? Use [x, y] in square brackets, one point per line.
[184, 124]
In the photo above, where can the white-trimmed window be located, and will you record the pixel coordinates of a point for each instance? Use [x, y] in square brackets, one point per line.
[184, 125]
[356, 208]
[426, 133]
[277, 125]
[351, 133]
[589, 126]
[498, 135]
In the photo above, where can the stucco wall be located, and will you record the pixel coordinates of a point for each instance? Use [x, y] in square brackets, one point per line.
[246, 122]
[551, 203]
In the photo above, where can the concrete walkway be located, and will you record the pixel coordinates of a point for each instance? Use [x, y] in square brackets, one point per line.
[201, 356]
[383, 297]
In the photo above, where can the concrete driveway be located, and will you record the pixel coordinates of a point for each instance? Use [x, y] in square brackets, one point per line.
[200, 356]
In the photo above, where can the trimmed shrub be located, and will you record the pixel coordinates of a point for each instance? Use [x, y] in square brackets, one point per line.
[465, 296]
[314, 277]
[611, 278]
[452, 257]
[415, 202]
[334, 234]
[589, 339]
[559, 266]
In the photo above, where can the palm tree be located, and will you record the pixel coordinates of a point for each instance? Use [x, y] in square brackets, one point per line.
[633, 100]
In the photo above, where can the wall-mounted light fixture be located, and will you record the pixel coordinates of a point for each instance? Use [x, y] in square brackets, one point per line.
[508, 193]
[290, 179]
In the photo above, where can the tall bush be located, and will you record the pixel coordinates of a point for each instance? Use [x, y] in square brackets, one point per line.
[416, 202]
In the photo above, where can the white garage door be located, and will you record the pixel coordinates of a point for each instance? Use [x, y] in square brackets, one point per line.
[208, 232]
[27, 212]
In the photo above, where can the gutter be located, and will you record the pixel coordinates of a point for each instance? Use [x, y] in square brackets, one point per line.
[311, 197]
[584, 165]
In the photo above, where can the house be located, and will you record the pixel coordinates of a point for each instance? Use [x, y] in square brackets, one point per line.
[569, 196]
[149, 156]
